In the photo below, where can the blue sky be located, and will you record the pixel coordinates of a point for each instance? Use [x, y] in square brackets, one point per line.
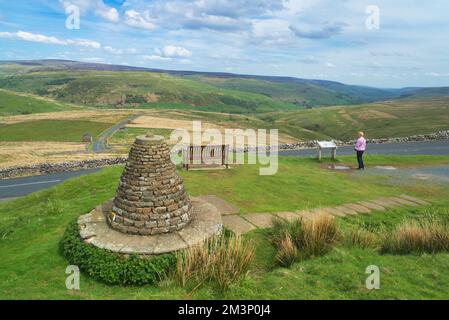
[320, 39]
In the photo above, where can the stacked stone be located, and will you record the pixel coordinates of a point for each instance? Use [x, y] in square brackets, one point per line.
[151, 198]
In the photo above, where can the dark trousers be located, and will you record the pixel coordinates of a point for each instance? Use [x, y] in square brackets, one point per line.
[360, 159]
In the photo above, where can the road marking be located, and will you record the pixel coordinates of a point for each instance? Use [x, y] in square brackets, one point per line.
[30, 184]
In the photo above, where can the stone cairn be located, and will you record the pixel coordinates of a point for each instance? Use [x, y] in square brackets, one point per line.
[151, 198]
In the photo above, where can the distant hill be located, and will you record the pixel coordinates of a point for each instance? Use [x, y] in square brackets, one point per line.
[12, 103]
[104, 85]
[398, 118]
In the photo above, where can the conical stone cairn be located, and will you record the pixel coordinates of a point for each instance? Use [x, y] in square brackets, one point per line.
[151, 198]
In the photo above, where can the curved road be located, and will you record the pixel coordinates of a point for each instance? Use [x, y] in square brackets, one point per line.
[14, 188]
[100, 144]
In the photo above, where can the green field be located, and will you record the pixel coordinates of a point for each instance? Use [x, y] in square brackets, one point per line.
[51, 130]
[379, 120]
[31, 227]
[12, 103]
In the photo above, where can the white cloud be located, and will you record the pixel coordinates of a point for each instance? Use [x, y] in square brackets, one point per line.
[97, 6]
[139, 20]
[85, 43]
[329, 65]
[36, 37]
[174, 52]
[108, 13]
[437, 74]
[113, 50]
[156, 58]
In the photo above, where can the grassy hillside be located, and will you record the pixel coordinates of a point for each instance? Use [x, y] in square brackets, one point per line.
[12, 103]
[305, 93]
[140, 90]
[390, 119]
[51, 130]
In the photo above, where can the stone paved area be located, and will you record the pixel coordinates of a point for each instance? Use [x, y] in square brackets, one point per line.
[223, 206]
[94, 229]
[260, 220]
[237, 224]
[245, 223]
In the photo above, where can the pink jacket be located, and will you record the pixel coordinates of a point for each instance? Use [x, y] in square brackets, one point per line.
[360, 144]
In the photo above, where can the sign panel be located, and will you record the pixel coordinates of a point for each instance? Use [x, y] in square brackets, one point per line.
[326, 144]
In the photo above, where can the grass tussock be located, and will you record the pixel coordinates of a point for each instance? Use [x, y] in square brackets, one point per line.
[302, 239]
[288, 252]
[361, 238]
[221, 261]
[429, 235]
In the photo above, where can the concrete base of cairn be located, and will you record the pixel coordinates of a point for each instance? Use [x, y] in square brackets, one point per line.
[205, 223]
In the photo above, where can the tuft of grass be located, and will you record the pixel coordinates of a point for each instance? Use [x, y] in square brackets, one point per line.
[361, 238]
[314, 237]
[428, 235]
[288, 252]
[319, 234]
[221, 261]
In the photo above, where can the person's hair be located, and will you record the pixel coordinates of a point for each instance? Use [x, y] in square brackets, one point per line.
[362, 133]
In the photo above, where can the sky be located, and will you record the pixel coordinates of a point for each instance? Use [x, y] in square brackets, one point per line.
[388, 44]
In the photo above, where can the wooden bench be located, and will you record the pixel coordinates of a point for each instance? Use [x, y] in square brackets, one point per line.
[205, 156]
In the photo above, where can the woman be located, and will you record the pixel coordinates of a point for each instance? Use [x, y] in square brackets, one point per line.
[360, 148]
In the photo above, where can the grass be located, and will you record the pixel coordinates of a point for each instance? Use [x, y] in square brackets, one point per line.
[379, 120]
[51, 130]
[222, 261]
[428, 235]
[123, 139]
[140, 89]
[12, 103]
[31, 228]
[312, 238]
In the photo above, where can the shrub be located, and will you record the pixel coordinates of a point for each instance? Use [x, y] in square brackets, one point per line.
[429, 235]
[312, 237]
[221, 261]
[361, 238]
[114, 268]
[287, 253]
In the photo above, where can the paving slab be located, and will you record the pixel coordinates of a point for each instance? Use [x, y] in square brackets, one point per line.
[334, 212]
[319, 212]
[223, 206]
[403, 201]
[418, 201]
[260, 220]
[372, 205]
[358, 208]
[237, 224]
[346, 210]
[287, 215]
[384, 202]
[304, 214]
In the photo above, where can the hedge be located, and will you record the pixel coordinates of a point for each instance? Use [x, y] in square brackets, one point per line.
[114, 268]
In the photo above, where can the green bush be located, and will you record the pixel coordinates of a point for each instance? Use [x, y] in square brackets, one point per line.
[114, 268]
